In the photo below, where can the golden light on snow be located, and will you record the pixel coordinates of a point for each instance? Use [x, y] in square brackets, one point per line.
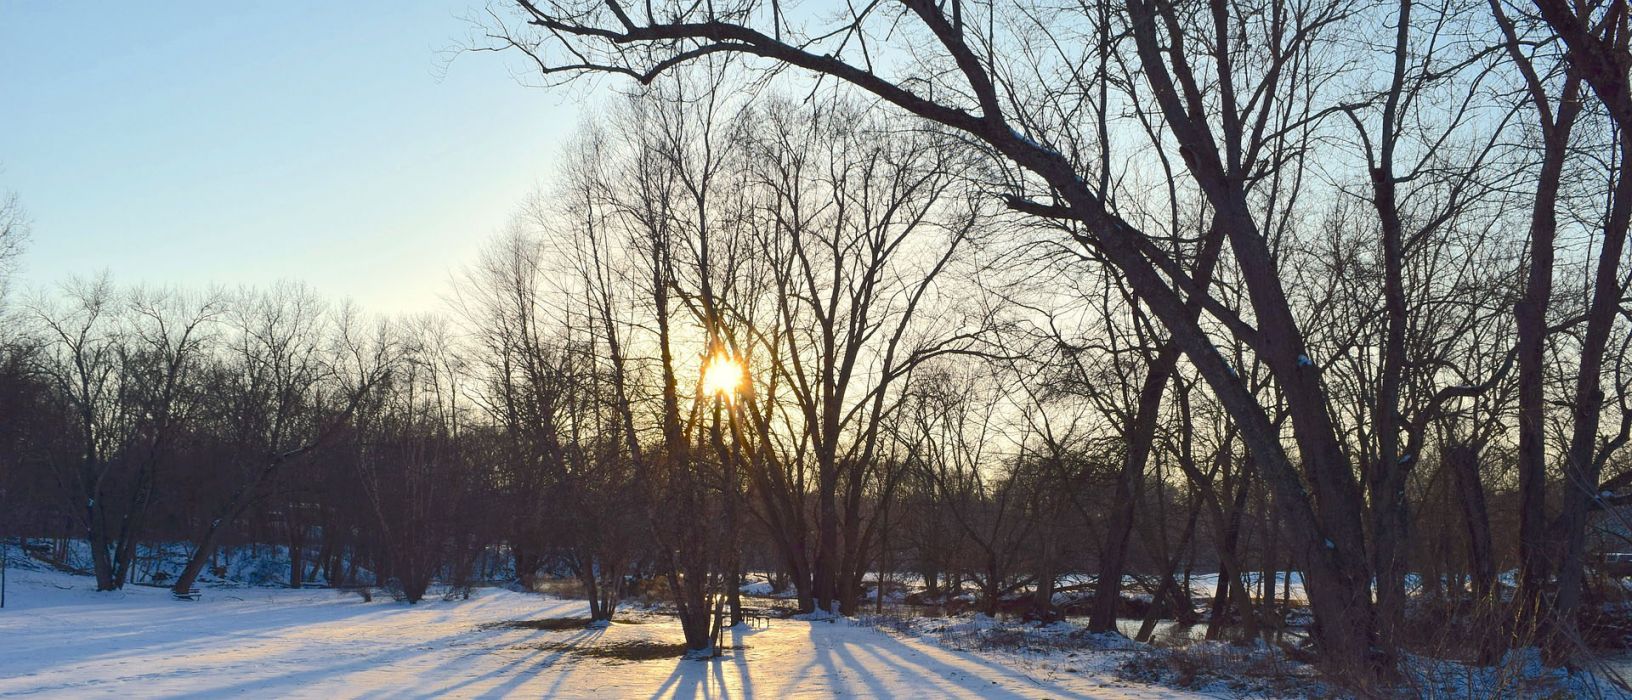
[723, 376]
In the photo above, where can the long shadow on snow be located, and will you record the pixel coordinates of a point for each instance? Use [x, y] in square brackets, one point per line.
[200, 626]
[205, 628]
[304, 677]
[690, 679]
[361, 661]
[967, 673]
[526, 667]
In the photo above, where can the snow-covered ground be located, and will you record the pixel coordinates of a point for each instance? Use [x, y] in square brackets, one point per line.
[59, 638]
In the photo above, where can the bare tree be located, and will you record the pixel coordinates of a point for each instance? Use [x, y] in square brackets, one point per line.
[861, 225]
[14, 230]
[1222, 159]
[295, 377]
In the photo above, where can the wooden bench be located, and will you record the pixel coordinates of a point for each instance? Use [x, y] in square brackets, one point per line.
[722, 615]
[192, 593]
[755, 617]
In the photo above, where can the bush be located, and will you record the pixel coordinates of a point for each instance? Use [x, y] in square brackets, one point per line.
[1257, 669]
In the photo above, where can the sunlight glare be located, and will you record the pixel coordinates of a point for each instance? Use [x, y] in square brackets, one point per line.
[723, 376]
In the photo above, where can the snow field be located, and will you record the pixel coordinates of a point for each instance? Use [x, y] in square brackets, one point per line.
[59, 638]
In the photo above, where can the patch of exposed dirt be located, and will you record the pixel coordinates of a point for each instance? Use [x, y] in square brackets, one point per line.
[552, 624]
[549, 624]
[639, 650]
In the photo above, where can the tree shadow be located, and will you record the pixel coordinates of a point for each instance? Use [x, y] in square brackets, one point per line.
[525, 668]
[709, 678]
[739, 659]
[139, 640]
[217, 627]
[310, 674]
[930, 669]
[692, 679]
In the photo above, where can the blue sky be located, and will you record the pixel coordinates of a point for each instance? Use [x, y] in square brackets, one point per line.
[194, 143]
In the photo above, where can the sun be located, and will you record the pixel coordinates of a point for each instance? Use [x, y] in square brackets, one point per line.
[723, 376]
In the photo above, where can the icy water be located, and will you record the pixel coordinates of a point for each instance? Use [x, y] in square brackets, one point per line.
[1167, 631]
[1170, 633]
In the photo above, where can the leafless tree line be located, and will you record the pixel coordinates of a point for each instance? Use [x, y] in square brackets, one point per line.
[1033, 297]
[1367, 251]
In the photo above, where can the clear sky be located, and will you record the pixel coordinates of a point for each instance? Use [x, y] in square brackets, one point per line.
[328, 141]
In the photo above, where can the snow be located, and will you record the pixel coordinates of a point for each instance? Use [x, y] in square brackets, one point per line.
[1033, 143]
[240, 565]
[1520, 672]
[58, 638]
[759, 588]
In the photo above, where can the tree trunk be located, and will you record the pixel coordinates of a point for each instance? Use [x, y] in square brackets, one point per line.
[1531, 321]
[101, 562]
[824, 574]
[1463, 461]
[527, 562]
[1582, 463]
[297, 555]
[1042, 601]
[1140, 436]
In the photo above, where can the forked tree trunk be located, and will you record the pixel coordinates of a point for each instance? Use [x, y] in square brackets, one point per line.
[1140, 437]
